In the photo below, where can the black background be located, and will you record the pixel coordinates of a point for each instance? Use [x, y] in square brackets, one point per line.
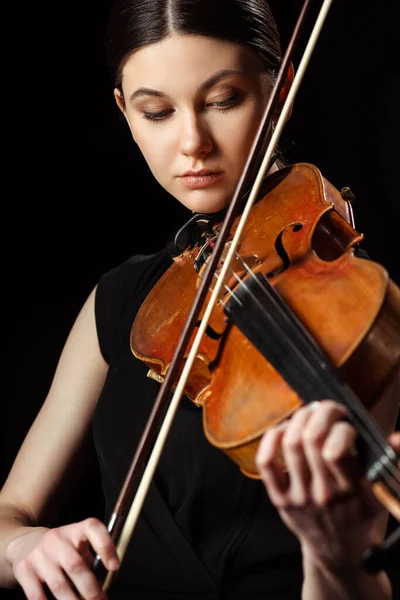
[79, 198]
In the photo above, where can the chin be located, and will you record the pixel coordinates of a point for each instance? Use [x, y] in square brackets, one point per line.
[202, 202]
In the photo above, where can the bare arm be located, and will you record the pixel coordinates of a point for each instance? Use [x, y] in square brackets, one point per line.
[48, 458]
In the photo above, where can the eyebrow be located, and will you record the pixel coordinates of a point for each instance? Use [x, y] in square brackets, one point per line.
[206, 85]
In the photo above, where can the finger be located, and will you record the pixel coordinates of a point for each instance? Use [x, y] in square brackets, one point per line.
[82, 577]
[292, 444]
[96, 533]
[52, 574]
[315, 432]
[270, 466]
[340, 456]
[68, 576]
[29, 581]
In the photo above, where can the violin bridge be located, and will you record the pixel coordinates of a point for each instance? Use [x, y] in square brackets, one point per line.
[239, 268]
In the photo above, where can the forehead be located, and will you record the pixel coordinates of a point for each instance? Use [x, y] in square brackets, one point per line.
[186, 61]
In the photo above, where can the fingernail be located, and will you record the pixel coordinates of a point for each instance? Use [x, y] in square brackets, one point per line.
[314, 405]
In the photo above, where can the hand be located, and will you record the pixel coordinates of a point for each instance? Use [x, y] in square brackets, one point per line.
[61, 559]
[322, 496]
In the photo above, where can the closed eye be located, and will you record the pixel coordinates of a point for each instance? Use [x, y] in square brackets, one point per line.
[233, 100]
[157, 116]
[221, 105]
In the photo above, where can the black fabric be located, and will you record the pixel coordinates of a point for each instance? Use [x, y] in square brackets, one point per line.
[205, 530]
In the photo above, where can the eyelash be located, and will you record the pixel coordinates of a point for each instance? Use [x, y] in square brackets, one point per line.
[222, 107]
[157, 116]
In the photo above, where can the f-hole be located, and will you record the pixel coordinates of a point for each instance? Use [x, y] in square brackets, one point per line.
[280, 250]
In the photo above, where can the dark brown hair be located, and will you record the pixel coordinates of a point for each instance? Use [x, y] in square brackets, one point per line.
[134, 24]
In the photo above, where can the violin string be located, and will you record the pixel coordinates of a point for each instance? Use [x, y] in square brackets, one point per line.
[370, 430]
[326, 371]
[316, 348]
[317, 353]
[283, 307]
[370, 436]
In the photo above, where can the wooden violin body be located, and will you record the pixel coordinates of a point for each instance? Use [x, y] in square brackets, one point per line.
[299, 237]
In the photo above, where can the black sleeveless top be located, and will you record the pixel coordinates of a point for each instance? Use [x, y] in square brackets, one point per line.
[205, 530]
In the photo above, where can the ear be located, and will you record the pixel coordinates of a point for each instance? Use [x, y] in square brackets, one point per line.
[119, 99]
[287, 84]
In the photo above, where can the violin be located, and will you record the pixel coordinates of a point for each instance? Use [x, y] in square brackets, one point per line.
[264, 311]
[298, 315]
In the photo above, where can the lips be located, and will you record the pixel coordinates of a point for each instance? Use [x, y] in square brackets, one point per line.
[199, 179]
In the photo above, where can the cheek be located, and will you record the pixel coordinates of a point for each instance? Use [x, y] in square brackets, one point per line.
[153, 147]
[240, 132]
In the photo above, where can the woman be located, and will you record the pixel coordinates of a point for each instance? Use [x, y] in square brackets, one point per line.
[192, 85]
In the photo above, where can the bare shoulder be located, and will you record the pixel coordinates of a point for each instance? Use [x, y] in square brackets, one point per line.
[59, 432]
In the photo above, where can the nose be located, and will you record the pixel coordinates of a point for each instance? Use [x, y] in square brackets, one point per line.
[195, 138]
